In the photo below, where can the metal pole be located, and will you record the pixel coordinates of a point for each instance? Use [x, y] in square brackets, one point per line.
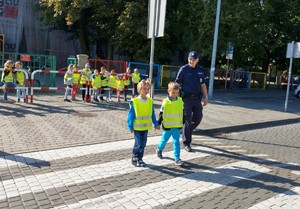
[213, 59]
[226, 74]
[289, 78]
[152, 49]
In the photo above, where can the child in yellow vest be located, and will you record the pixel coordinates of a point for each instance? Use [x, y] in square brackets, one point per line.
[112, 83]
[96, 83]
[7, 77]
[76, 79]
[68, 80]
[136, 77]
[171, 118]
[104, 83]
[126, 78]
[141, 115]
[20, 80]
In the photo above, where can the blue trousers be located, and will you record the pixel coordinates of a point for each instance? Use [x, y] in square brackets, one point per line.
[175, 133]
[193, 116]
[9, 84]
[140, 141]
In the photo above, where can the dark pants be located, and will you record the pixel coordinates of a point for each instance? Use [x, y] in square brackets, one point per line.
[135, 92]
[125, 91]
[140, 141]
[193, 116]
[83, 92]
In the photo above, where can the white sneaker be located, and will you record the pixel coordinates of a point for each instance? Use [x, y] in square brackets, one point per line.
[179, 162]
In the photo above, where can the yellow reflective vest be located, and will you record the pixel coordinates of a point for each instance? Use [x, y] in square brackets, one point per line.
[120, 84]
[76, 77]
[112, 82]
[172, 113]
[143, 114]
[104, 81]
[85, 76]
[20, 77]
[136, 78]
[96, 81]
[8, 78]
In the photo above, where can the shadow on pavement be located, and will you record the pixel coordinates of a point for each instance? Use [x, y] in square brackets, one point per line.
[24, 160]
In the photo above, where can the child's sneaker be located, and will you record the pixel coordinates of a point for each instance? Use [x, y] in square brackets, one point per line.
[134, 161]
[159, 153]
[141, 163]
[179, 162]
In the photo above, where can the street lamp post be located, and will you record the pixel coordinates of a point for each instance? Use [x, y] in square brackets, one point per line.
[214, 52]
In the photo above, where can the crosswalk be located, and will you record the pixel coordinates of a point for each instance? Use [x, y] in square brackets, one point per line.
[101, 176]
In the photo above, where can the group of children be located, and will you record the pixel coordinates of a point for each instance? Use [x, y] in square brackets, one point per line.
[141, 115]
[102, 82]
[12, 77]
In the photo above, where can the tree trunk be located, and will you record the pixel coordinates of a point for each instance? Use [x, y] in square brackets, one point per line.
[83, 40]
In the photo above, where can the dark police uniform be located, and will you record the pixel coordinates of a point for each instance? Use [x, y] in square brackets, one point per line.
[191, 80]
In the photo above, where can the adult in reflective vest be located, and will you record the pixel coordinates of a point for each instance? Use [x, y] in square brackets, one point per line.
[141, 115]
[85, 77]
[96, 83]
[7, 77]
[135, 80]
[171, 118]
[194, 92]
[126, 77]
[20, 80]
[76, 80]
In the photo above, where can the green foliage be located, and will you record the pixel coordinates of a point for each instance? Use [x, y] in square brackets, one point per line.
[260, 32]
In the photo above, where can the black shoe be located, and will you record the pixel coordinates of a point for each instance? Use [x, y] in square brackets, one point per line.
[134, 161]
[96, 100]
[159, 153]
[188, 148]
[18, 100]
[141, 163]
[67, 100]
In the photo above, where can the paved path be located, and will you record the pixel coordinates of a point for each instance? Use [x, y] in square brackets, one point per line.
[77, 155]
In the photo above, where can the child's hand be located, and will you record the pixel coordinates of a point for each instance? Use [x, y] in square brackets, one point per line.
[157, 127]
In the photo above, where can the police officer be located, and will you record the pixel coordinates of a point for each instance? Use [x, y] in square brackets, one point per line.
[194, 91]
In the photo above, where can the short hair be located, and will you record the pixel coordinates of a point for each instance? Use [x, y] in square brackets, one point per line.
[8, 62]
[19, 63]
[103, 68]
[173, 86]
[141, 84]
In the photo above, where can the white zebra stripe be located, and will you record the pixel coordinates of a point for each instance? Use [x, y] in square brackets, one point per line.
[286, 200]
[179, 188]
[35, 183]
[71, 152]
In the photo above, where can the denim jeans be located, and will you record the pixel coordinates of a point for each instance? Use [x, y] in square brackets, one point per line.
[20, 92]
[140, 141]
[9, 84]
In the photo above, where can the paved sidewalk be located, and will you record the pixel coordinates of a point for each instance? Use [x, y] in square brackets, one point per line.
[56, 154]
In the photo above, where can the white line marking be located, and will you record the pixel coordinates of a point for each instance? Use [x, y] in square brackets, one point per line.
[286, 200]
[56, 154]
[179, 188]
[62, 178]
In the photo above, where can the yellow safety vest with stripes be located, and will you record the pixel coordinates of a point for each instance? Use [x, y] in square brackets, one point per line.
[143, 114]
[96, 81]
[112, 82]
[104, 82]
[67, 76]
[136, 78]
[85, 76]
[20, 77]
[172, 113]
[120, 84]
[76, 78]
[127, 79]
[8, 78]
